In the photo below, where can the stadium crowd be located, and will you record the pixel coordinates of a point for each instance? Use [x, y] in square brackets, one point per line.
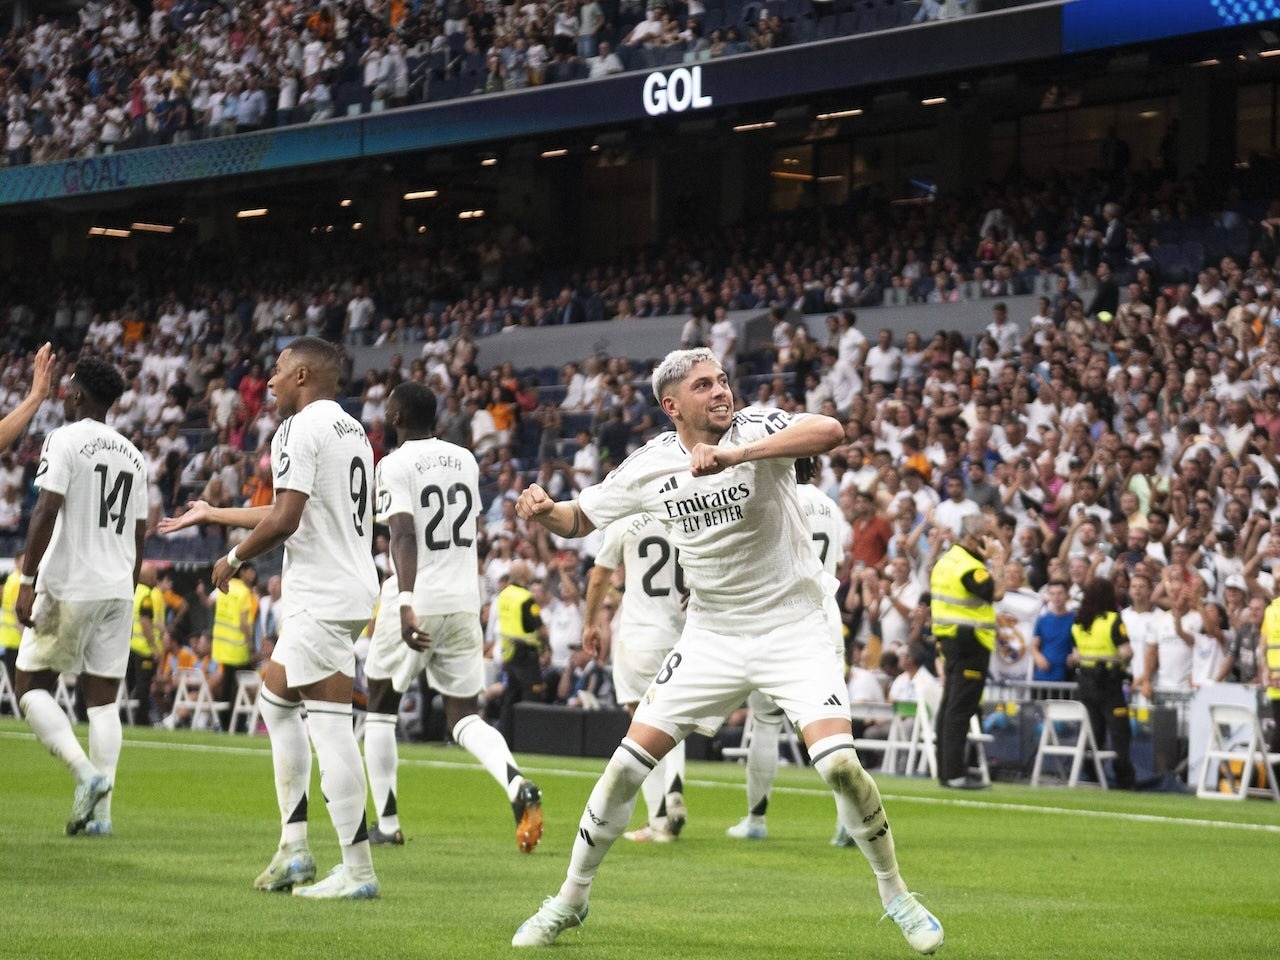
[1126, 428]
[119, 76]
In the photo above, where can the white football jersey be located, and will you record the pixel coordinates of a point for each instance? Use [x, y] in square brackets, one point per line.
[743, 538]
[328, 561]
[103, 481]
[652, 613]
[829, 530]
[438, 484]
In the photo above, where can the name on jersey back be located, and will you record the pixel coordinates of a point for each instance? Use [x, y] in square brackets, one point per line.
[111, 445]
[437, 461]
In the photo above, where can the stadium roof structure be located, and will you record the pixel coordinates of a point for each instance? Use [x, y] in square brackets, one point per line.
[1024, 43]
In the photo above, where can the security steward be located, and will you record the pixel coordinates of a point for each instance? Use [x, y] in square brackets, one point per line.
[146, 644]
[963, 592]
[10, 629]
[520, 634]
[1103, 654]
[233, 615]
[1269, 656]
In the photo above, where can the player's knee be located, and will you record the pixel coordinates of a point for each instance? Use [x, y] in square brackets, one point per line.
[383, 698]
[837, 763]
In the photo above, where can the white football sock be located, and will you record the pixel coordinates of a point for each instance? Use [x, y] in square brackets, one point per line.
[674, 762]
[341, 777]
[49, 723]
[608, 811]
[859, 808]
[291, 757]
[486, 744]
[654, 790]
[380, 758]
[762, 763]
[105, 740]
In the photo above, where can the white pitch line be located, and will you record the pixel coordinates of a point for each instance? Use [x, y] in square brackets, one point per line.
[265, 752]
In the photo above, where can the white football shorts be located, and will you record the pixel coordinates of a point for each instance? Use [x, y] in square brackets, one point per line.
[311, 650]
[634, 669]
[707, 675]
[77, 636]
[454, 664]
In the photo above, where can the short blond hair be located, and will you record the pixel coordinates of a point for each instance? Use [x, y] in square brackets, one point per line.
[675, 366]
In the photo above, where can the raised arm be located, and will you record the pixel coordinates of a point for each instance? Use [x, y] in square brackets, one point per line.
[806, 437]
[198, 511]
[562, 519]
[15, 424]
[273, 529]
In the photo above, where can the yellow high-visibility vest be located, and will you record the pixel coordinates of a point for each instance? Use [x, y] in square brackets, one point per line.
[951, 603]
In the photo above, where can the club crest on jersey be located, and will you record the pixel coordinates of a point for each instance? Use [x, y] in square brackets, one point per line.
[699, 511]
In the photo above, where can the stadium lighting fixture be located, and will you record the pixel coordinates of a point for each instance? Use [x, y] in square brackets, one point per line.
[344, 203]
[840, 114]
[108, 232]
[470, 214]
[595, 148]
[749, 127]
[422, 194]
[933, 101]
[422, 229]
[250, 214]
[489, 162]
[550, 154]
[151, 227]
[357, 225]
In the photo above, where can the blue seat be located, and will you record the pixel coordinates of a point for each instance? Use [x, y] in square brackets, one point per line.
[1238, 241]
[1168, 232]
[1193, 255]
[1168, 258]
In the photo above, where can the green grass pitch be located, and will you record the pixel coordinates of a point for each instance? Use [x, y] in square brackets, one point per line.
[1011, 873]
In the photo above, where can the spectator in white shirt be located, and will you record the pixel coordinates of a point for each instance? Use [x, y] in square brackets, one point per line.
[1004, 331]
[884, 361]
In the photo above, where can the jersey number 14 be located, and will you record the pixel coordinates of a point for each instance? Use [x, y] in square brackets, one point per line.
[117, 500]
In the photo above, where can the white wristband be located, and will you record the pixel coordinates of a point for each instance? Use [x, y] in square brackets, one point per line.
[233, 559]
[405, 598]
[26, 580]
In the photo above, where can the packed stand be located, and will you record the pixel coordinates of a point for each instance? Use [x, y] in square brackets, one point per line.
[116, 77]
[1120, 434]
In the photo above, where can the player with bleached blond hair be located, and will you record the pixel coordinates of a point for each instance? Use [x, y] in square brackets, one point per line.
[722, 484]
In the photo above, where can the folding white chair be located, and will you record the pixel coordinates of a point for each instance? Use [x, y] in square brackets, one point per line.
[127, 705]
[64, 694]
[872, 712]
[1069, 712]
[245, 706]
[1236, 743]
[901, 732]
[922, 745]
[193, 700]
[7, 696]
